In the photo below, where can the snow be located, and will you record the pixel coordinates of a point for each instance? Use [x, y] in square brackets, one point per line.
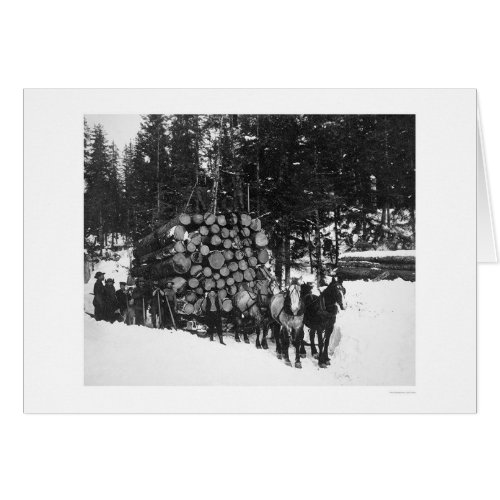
[373, 344]
[380, 253]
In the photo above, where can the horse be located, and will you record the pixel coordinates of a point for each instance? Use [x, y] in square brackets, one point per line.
[250, 307]
[287, 310]
[320, 315]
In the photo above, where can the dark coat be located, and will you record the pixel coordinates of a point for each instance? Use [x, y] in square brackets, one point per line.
[110, 302]
[138, 295]
[98, 301]
[122, 297]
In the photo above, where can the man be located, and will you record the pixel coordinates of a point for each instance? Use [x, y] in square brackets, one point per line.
[98, 301]
[213, 315]
[122, 297]
[110, 301]
[157, 299]
[170, 304]
[140, 302]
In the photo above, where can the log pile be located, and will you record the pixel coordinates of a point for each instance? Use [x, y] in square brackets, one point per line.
[203, 252]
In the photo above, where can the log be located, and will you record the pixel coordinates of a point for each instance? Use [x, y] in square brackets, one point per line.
[208, 284]
[247, 275]
[233, 233]
[238, 255]
[252, 261]
[222, 294]
[233, 266]
[247, 243]
[242, 265]
[216, 276]
[158, 254]
[252, 273]
[179, 247]
[227, 305]
[185, 219]
[215, 240]
[215, 229]
[227, 244]
[263, 256]
[188, 308]
[197, 219]
[255, 225]
[179, 283]
[191, 247]
[196, 270]
[245, 232]
[238, 276]
[204, 250]
[193, 283]
[245, 220]
[200, 291]
[179, 232]
[260, 239]
[176, 264]
[197, 306]
[224, 232]
[248, 252]
[196, 257]
[233, 219]
[209, 218]
[221, 220]
[191, 297]
[195, 238]
[224, 271]
[155, 240]
[216, 260]
[229, 281]
[228, 255]
[232, 290]
[207, 271]
[236, 242]
[220, 283]
[204, 231]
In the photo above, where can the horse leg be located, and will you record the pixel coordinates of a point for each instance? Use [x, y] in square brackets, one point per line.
[285, 344]
[321, 346]
[302, 348]
[328, 334]
[257, 341]
[265, 327]
[299, 344]
[245, 336]
[236, 328]
[314, 351]
[277, 338]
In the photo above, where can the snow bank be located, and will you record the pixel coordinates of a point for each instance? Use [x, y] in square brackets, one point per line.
[379, 253]
[373, 344]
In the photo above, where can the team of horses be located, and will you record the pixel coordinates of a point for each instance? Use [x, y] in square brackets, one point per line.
[285, 313]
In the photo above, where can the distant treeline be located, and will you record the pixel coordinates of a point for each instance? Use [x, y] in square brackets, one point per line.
[352, 174]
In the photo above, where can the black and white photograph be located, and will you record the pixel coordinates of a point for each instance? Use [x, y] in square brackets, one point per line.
[253, 250]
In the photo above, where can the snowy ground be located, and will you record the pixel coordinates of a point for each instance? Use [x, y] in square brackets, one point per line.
[373, 344]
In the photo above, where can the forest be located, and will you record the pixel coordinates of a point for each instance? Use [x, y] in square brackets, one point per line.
[321, 184]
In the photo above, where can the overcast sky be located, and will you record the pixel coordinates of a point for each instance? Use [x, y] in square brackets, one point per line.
[118, 128]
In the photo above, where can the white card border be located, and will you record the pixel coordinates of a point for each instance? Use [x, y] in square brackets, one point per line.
[446, 278]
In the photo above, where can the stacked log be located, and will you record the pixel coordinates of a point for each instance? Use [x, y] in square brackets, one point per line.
[225, 252]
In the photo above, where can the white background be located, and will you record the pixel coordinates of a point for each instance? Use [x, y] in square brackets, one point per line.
[261, 44]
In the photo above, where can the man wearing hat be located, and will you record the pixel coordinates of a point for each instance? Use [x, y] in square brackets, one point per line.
[213, 315]
[122, 297]
[110, 301]
[98, 301]
[170, 304]
[157, 299]
[140, 301]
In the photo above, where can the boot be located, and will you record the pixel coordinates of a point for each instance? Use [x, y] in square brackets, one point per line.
[221, 340]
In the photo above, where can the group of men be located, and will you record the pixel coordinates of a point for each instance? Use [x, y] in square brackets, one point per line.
[130, 304]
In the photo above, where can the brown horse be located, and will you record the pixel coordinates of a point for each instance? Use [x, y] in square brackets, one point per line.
[287, 310]
[320, 315]
[251, 309]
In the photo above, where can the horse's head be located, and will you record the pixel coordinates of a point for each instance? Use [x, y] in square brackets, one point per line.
[274, 287]
[293, 293]
[333, 294]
